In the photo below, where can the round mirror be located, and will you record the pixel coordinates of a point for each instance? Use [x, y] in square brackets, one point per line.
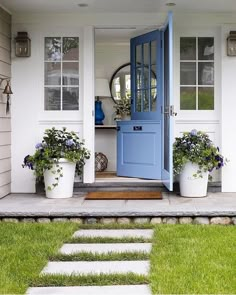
[120, 84]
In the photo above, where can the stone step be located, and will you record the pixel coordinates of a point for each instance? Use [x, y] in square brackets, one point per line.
[97, 267]
[114, 233]
[106, 248]
[98, 290]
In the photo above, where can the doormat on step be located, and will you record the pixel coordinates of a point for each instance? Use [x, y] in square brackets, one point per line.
[134, 195]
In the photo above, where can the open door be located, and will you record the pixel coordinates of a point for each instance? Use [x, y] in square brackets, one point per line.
[141, 144]
[168, 106]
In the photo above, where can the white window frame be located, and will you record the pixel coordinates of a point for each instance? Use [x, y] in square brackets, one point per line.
[213, 115]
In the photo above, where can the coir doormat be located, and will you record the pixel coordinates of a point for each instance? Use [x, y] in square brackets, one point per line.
[134, 195]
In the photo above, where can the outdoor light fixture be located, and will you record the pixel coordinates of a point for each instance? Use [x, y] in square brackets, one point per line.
[7, 91]
[231, 44]
[23, 45]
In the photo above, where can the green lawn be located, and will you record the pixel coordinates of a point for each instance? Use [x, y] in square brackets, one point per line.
[24, 251]
[193, 259]
[185, 259]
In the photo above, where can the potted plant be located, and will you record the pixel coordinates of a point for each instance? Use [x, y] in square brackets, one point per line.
[56, 159]
[123, 108]
[194, 156]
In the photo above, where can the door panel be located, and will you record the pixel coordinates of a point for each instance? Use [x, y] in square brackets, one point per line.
[139, 149]
[144, 144]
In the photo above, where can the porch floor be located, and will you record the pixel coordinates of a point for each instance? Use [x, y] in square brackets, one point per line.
[36, 205]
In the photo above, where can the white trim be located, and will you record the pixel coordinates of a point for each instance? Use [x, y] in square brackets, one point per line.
[88, 94]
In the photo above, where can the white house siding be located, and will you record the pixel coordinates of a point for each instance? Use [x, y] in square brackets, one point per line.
[29, 120]
[5, 120]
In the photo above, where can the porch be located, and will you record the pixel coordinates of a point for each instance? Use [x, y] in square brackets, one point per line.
[171, 209]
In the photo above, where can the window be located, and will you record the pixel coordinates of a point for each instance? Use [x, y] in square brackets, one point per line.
[197, 73]
[61, 74]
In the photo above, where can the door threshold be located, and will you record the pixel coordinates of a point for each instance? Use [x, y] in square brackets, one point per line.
[110, 176]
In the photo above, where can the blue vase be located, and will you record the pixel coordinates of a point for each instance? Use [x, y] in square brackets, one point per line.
[99, 115]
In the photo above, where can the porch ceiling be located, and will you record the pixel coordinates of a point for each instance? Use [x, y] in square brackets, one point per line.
[118, 6]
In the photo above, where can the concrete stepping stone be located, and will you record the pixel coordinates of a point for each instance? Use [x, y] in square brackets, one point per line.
[98, 290]
[114, 233]
[106, 248]
[96, 267]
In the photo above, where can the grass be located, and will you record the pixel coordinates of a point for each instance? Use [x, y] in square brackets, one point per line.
[24, 251]
[193, 259]
[185, 259]
[90, 280]
[86, 256]
[108, 240]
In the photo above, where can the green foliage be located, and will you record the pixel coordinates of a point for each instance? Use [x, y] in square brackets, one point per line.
[193, 259]
[25, 249]
[123, 106]
[57, 144]
[196, 147]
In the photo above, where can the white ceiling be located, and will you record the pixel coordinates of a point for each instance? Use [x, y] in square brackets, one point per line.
[118, 6]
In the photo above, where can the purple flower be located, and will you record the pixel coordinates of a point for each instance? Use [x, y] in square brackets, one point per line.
[70, 142]
[193, 132]
[39, 146]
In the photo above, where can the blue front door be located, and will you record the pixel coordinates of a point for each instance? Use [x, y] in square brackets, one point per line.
[140, 140]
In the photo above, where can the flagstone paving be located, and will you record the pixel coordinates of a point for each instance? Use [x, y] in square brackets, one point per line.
[94, 290]
[106, 248]
[139, 267]
[115, 233]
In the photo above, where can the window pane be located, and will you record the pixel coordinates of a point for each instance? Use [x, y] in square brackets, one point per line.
[71, 48]
[206, 98]
[188, 48]
[52, 99]
[139, 78]
[188, 73]
[146, 54]
[52, 73]
[205, 48]
[70, 73]
[146, 101]
[70, 98]
[146, 79]
[53, 48]
[153, 76]
[153, 99]
[206, 73]
[153, 52]
[187, 98]
[138, 54]
[138, 101]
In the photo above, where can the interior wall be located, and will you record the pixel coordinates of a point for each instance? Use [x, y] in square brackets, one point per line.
[109, 57]
[5, 119]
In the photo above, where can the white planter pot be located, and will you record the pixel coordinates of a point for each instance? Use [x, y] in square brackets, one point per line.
[64, 189]
[190, 186]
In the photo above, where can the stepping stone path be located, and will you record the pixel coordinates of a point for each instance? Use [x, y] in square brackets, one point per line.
[139, 267]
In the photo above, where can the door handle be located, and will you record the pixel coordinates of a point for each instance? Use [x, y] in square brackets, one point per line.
[170, 111]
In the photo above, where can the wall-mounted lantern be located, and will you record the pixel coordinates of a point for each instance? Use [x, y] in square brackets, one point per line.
[231, 44]
[22, 45]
